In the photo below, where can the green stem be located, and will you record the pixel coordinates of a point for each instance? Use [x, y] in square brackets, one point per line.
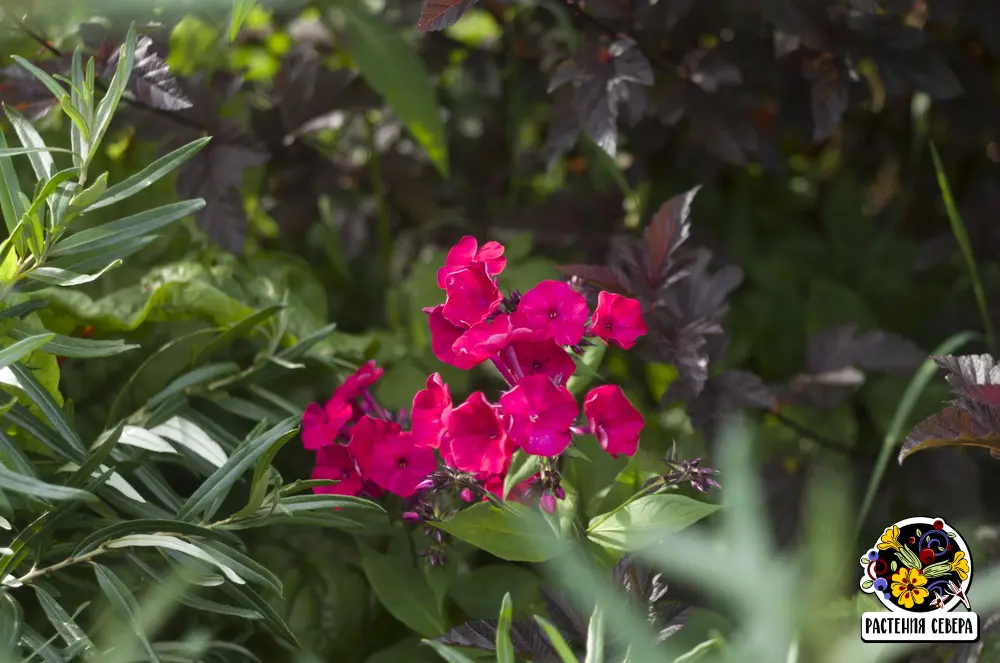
[45, 571]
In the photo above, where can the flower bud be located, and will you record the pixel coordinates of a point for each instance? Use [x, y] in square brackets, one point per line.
[412, 517]
[548, 503]
[426, 484]
[560, 493]
[467, 495]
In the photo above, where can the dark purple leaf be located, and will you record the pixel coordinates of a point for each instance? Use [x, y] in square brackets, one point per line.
[216, 174]
[597, 275]
[974, 376]
[839, 347]
[440, 14]
[648, 591]
[965, 424]
[724, 394]
[709, 71]
[530, 642]
[20, 90]
[828, 96]
[151, 83]
[669, 228]
[565, 616]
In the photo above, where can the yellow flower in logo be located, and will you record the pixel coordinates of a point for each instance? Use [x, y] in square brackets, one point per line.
[890, 539]
[960, 565]
[908, 587]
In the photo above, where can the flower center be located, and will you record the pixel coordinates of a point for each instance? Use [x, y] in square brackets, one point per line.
[607, 326]
[909, 587]
[553, 314]
[533, 418]
[401, 463]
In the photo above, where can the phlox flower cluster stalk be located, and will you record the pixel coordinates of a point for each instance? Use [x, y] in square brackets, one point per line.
[440, 444]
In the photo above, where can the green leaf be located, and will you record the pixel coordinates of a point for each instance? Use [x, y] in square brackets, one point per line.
[243, 565]
[13, 352]
[197, 377]
[522, 466]
[242, 328]
[241, 9]
[65, 278]
[505, 648]
[271, 617]
[242, 459]
[82, 200]
[41, 397]
[145, 526]
[106, 108]
[643, 521]
[404, 592]
[10, 189]
[137, 225]
[595, 637]
[41, 162]
[74, 637]
[515, 533]
[190, 436]
[586, 366]
[150, 174]
[566, 654]
[54, 87]
[395, 69]
[25, 485]
[260, 481]
[124, 604]
[70, 346]
[11, 621]
[179, 545]
[447, 653]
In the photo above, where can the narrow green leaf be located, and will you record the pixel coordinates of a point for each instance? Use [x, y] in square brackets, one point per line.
[14, 457]
[21, 151]
[25, 485]
[595, 637]
[106, 108]
[65, 278]
[241, 460]
[179, 545]
[17, 350]
[505, 648]
[241, 9]
[131, 227]
[74, 637]
[43, 399]
[245, 566]
[41, 162]
[10, 189]
[150, 174]
[11, 621]
[242, 328]
[43, 76]
[82, 200]
[199, 376]
[43, 648]
[395, 69]
[962, 237]
[70, 346]
[447, 653]
[259, 483]
[271, 617]
[125, 605]
[79, 132]
[146, 526]
[559, 643]
[23, 418]
[45, 194]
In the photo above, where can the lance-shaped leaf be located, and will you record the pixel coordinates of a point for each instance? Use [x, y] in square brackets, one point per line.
[966, 424]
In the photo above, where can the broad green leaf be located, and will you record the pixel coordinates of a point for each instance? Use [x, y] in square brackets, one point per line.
[515, 533]
[586, 367]
[522, 467]
[505, 648]
[65, 278]
[447, 653]
[124, 604]
[173, 543]
[642, 521]
[25, 485]
[479, 591]
[189, 435]
[219, 483]
[137, 225]
[41, 397]
[559, 643]
[404, 592]
[396, 70]
[150, 174]
[13, 352]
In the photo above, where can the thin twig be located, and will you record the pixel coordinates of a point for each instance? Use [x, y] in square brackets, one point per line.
[808, 433]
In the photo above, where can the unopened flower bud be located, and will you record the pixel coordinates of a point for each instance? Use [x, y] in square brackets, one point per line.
[467, 495]
[412, 517]
[426, 484]
[548, 503]
[560, 493]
